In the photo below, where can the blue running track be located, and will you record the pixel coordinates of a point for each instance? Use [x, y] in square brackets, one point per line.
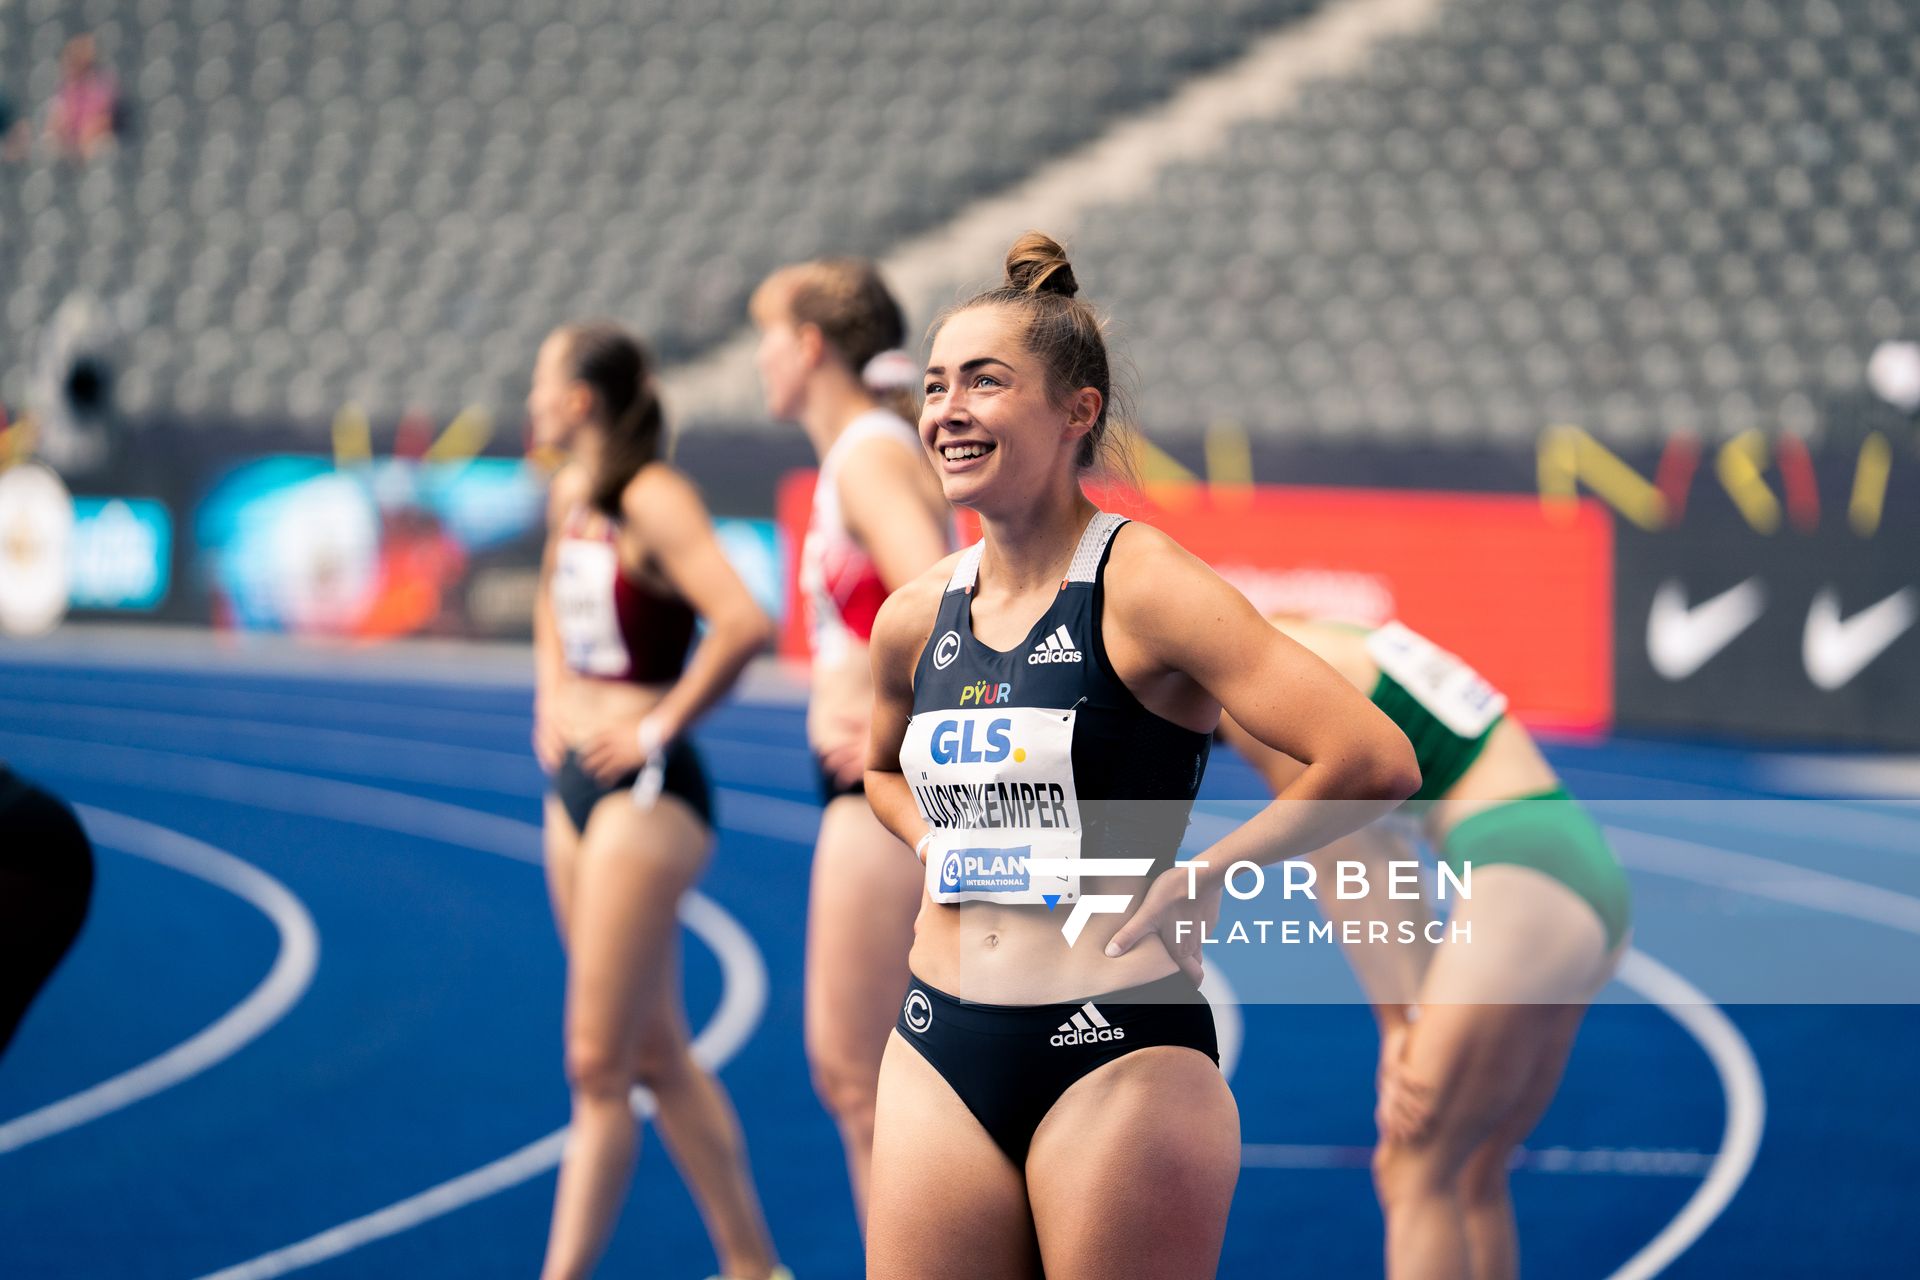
[319, 907]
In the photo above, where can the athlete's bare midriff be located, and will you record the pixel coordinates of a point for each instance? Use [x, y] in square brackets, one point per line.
[1509, 767]
[840, 700]
[584, 706]
[997, 954]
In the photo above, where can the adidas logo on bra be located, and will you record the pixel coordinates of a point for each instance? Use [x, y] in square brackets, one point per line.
[1057, 647]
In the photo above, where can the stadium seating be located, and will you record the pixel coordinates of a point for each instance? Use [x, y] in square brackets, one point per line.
[1638, 217]
[389, 201]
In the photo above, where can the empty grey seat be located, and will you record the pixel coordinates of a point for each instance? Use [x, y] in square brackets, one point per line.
[492, 167]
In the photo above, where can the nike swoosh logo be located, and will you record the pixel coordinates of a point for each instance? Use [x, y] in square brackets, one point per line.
[1681, 640]
[1837, 649]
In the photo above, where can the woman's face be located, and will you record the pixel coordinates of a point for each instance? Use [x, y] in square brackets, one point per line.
[782, 358]
[997, 438]
[558, 403]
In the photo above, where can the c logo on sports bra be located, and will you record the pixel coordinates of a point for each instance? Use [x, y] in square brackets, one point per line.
[945, 650]
[919, 1012]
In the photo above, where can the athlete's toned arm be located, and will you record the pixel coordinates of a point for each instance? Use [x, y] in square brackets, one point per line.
[665, 511]
[1184, 620]
[549, 663]
[887, 503]
[900, 631]
[1390, 975]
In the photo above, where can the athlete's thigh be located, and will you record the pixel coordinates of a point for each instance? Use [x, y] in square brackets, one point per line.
[1528, 940]
[662, 1029]
[864, 897]
[1132, 1171]
[946, 1203]
[631, 869]
[1552, 1046]
[1494, 1006]
[562, 848]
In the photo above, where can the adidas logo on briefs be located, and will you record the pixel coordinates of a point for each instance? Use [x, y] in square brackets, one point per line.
[1086, 1026]
[1057, 647]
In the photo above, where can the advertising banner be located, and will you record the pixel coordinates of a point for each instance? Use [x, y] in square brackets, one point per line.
[1805, 634]
[1522, 592]
[62, 554]
[1763, 588]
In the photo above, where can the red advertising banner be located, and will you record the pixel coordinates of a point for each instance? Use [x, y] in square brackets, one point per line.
[792, 509]
[1523, 594]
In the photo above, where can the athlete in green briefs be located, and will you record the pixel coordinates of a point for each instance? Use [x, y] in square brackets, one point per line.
[1475, 1032]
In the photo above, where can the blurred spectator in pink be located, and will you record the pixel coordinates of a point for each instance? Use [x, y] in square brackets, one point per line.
[81, 123]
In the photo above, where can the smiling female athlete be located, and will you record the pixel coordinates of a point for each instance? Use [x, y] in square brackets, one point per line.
[1046, 697]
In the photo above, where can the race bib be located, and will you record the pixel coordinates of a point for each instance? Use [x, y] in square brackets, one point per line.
[1456, 694]
[583, 610]
[996, 786]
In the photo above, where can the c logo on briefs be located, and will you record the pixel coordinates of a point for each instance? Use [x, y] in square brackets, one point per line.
[919, 1012]
[945, 650]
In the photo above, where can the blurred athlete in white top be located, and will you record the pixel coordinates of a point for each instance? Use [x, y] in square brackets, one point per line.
[828, 360]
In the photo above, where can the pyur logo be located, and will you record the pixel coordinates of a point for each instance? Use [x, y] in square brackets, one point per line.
[986, 693]
[1086, 1026]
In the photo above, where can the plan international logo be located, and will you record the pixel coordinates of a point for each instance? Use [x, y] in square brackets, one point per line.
[986, 870]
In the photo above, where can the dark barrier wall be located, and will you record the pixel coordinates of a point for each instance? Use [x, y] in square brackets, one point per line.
[1755, 589]
[1780, 601]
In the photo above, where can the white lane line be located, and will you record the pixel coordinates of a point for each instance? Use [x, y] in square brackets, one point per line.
[274, 742]
[1766, 878]
[400, 664]
[743, 1001]
[238, 700]
[291, 792]
[304, 712]
[287, 981]
[1733, 1062]
[742, 1004]
[1892, 827]
[1872, 776]
[1599, 1160]
[346, 751]
[1732, 1057]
